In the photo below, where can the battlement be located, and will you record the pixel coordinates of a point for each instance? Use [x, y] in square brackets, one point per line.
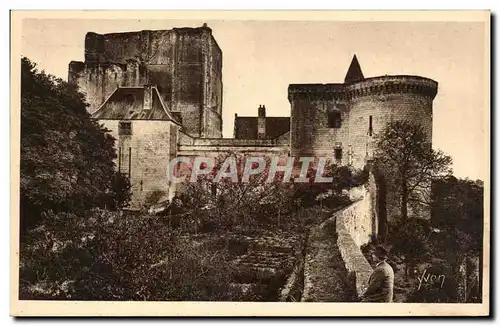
[393, 84]
[140, 45]
[316, 91]
[369, 86]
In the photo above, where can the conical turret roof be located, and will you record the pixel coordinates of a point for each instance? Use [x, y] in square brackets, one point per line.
[354, 73]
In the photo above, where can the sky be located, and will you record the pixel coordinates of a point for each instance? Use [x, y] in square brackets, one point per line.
[261, 58]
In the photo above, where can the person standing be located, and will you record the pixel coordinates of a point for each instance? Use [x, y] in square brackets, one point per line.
[381, 282]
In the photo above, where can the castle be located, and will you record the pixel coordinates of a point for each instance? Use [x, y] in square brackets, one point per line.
[160, 95]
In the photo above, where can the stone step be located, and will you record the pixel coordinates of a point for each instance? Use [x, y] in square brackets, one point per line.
[258, 255]
[249, 265]
[272, 249]
[261, 259]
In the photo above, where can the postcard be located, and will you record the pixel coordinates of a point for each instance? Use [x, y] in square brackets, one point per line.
[250, 163]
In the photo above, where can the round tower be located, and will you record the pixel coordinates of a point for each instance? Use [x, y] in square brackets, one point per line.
[373, 102]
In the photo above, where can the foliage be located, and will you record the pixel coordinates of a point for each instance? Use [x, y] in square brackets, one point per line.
[108, 256]
[330, 194]
[434, 289]
[154, 197]
[121, 191]
[66, 158]
[257, 202]
[453, 238]
[457, 209]
[345, 177]
[410, 241]
[226, 204]
[404, 152]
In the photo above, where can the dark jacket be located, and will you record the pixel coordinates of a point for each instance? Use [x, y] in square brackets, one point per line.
[380, 285]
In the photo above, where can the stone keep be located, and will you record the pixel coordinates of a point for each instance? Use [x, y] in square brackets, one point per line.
[185, 64]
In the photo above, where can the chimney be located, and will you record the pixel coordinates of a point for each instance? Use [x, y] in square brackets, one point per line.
[235, 129]
[148, 98]
[261, 122]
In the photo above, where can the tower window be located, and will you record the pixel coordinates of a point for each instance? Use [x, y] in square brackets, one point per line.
[338, 155]
[370, 127]
[125, 128]
[334, 119]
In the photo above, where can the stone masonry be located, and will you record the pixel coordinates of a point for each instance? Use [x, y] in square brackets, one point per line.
[160, 94]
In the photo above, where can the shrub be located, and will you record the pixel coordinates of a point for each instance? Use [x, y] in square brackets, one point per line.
[109, 256]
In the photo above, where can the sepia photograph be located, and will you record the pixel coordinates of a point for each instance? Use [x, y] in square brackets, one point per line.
[250, 163]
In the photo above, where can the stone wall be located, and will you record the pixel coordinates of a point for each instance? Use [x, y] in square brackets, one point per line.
[184, 63]
[311, 133]
[356, 225]
[358, 218]
[144, 156]
[98, 80]
[384, 109]
[365, 108]
[189, 146]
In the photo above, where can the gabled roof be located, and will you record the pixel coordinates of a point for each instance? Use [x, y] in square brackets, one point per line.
[247, 127]
[354, 73]
[277, 126]
[127, 103]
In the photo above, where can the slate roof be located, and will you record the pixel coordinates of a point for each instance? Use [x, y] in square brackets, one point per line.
[246, 127]
[126, 103]
[354, 73]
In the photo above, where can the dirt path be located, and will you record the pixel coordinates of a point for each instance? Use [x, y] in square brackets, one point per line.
[325, 276]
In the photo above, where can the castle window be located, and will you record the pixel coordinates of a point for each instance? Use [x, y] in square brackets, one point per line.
[338, 155]
[334, 119]
[125, 128]
[370, 127]
[129, 99]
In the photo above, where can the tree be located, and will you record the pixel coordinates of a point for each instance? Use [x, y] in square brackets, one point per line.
[410, 242]
[457, 209]
[66, 157]
[404, 152]
[230, 203]
[121, 191]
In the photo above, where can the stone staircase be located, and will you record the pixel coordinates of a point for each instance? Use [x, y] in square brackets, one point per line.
[268, 258]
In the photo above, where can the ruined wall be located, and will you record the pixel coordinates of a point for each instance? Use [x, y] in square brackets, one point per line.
[145, 155]
[184, 63]
[213, 88]
[99, 80]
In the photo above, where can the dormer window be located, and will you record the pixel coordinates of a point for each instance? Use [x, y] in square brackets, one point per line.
[125, 128]
[129, 99]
